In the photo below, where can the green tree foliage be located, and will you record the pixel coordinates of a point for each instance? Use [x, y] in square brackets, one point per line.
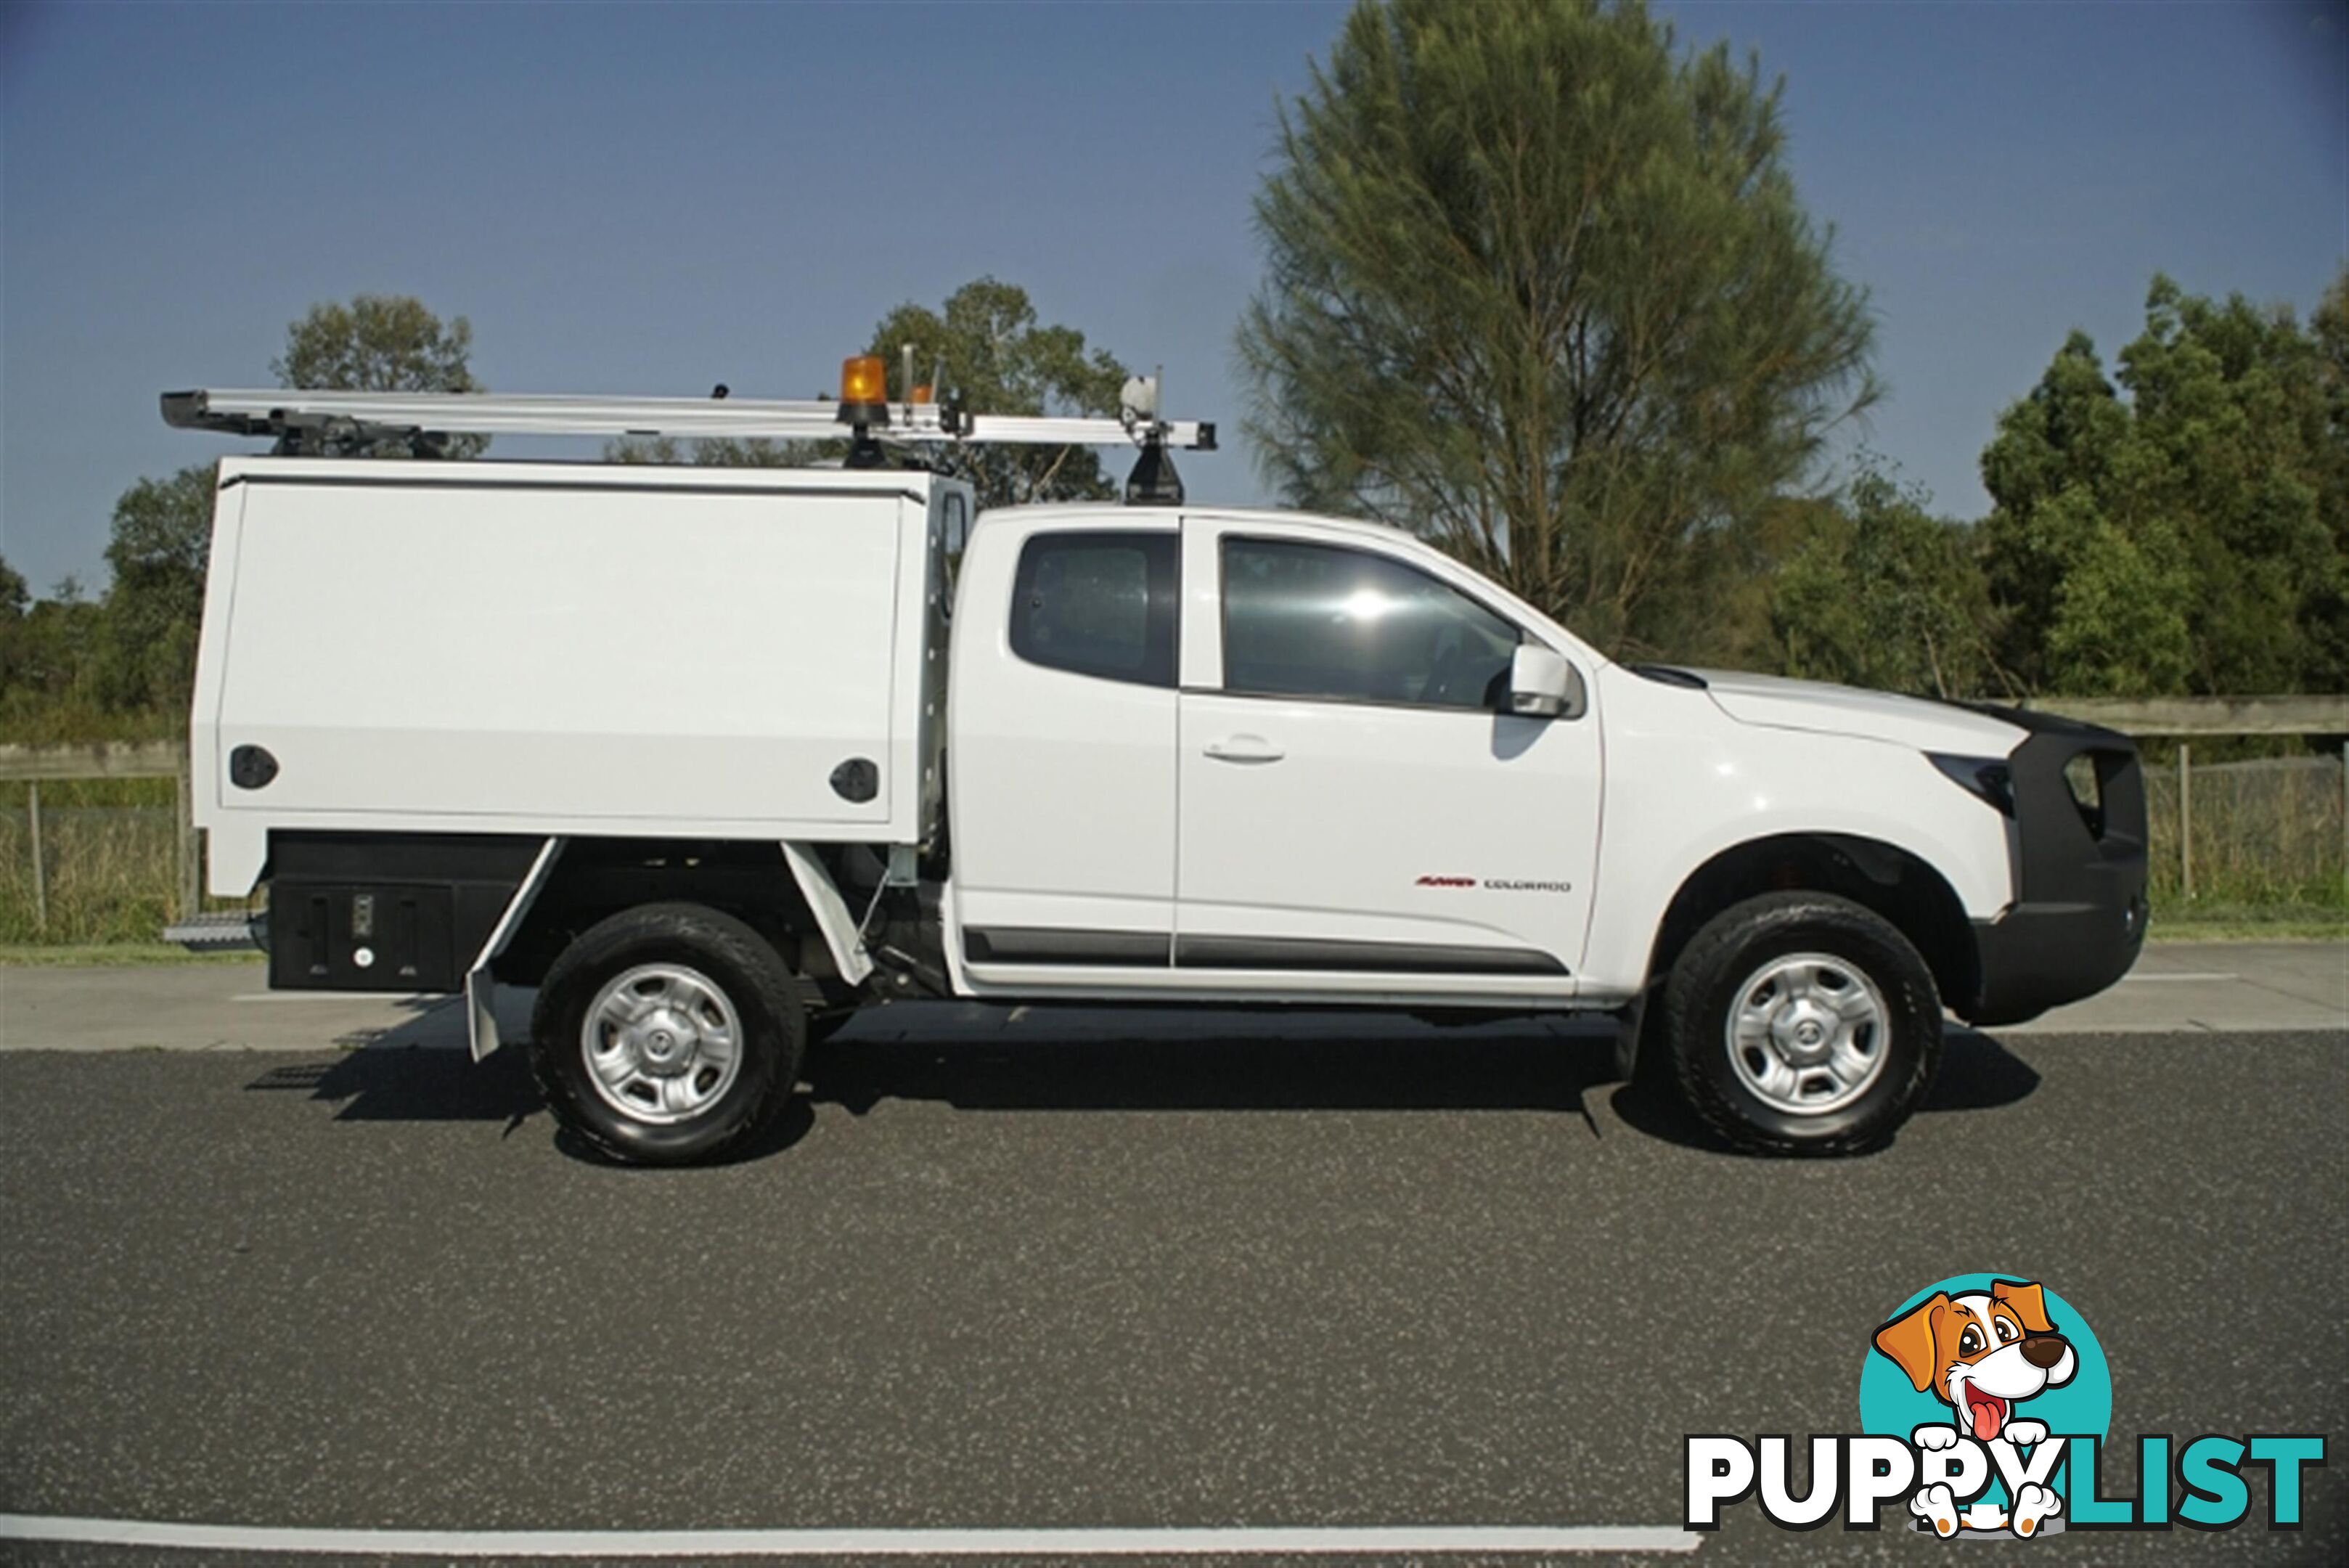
[713, 451]
[2187, 536]
[161, 540]
[985, 348]
[48, 648]
[16, 653]
[382, 343]
[2327, 621]
[73, 670]
[1884, 594]
[1540, 287]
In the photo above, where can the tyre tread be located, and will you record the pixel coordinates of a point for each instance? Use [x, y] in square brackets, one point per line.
[777, 993]
[1714, 949]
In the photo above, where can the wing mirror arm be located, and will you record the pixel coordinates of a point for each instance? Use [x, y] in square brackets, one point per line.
[1544, 685]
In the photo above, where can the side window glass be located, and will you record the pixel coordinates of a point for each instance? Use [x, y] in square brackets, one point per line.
[1318, 620]
[1098, 604]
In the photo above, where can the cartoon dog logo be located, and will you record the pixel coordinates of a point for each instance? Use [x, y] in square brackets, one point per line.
[1981, 1352]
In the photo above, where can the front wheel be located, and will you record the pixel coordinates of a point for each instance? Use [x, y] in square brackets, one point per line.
[668, 1033]
[1801, 1023]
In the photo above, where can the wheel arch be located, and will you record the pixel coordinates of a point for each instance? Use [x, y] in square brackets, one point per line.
[594, 878]
[1895, 883]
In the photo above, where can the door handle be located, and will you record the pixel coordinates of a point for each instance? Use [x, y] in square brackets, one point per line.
[1245, 749]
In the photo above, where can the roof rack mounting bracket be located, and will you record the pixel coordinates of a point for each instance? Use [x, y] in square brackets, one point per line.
[1153, 481]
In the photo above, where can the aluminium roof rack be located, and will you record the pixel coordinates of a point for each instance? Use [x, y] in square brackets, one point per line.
[322, 424]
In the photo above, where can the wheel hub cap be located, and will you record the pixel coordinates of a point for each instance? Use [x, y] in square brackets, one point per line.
[661, 1043]
[1807, 1033]
[1802, 1034]
[666, 1043]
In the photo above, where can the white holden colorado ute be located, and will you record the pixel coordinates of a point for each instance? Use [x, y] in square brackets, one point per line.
[710, 757]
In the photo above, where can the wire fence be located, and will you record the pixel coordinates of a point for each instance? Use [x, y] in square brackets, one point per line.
[108, 867]
[2268, 832]
[109, 874]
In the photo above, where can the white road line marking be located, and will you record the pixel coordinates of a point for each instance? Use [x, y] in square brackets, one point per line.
[2132, 979]
[1382, 1540]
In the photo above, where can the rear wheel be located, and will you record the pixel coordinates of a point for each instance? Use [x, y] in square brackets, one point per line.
[668, 1033]
[1801, 1023]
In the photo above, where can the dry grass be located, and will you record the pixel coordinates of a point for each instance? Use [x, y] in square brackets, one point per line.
[115, 955]
[107, 851]
[2267, 836]
[106, 847]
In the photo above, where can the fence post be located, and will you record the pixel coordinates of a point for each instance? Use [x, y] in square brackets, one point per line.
[184, 839]
[2185, 820]
[40, 875]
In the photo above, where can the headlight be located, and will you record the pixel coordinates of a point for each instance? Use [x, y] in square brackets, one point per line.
[1988, 778]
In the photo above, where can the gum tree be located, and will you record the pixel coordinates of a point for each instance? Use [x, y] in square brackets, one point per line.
[1539, 286]
[986, 346]
[2181, 526]
[382, 343]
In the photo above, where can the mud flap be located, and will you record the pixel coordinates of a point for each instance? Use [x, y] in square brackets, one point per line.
[480, 988]
[1630, 1022]
[832, 913]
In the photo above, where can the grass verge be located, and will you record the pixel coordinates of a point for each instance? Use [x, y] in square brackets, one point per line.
[2248, 923]
[120, 955]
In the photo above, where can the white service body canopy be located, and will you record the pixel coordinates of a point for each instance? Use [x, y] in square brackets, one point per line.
[555, 648]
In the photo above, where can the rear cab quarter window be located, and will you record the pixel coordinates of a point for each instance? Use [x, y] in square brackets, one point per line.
[1099, 604]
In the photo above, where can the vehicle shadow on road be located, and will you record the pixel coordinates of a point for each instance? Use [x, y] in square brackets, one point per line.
[385, 1081]
[1977, 1073]
[1173, 1061]
[1129, 1059]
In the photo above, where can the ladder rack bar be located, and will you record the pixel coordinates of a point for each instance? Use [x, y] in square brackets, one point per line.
[272, 412]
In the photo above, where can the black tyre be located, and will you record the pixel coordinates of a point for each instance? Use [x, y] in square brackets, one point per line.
[668, 1033]
[1801, 1023]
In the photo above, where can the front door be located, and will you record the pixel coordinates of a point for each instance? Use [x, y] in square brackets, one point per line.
[1355, 800]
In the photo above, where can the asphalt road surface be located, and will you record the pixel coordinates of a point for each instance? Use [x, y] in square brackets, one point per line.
[1135, 1271]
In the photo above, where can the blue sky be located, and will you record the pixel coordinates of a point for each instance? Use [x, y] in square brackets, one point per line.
[650, 200]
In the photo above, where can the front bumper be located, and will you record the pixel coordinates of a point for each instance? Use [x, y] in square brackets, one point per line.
[2079, 914]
